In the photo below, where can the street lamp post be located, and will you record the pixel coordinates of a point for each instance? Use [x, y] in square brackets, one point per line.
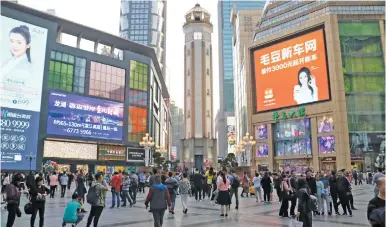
[147, 143]
[248, 143]
[239, 150]
[30, 157]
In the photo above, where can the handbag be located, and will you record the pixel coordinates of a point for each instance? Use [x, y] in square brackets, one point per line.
[28, 209]
[296, 223]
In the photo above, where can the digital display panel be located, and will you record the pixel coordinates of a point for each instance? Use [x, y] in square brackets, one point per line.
[291, 72]
[80, 116]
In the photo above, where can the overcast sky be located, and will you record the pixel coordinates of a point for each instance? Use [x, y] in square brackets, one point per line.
[104, 15]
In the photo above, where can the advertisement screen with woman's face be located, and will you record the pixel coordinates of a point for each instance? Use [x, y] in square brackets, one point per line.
[291, 72]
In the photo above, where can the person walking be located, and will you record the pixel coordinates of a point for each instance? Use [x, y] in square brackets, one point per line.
[245, 185]
[360, 178]
[376, 206]
[142, 181]
[38, 194]
[234, 180]
[172, 186]
[355, 176]
[81, 189]
[334, 192]
[184, 190]
[277, 182]
[286, 195]
[13, 193]
[326, 199]
[343, 184]
[100, 200]
[209, 178]
[224, 199]
[159, 200]
[350, 196]
[53, 184]
[125, 190]
[197, 181]
[115, 182]
[303, 194]
[70, 180]
[133, 186]
[266, 184]
[63, 184]
[294, 186]
[320, 193]
[257, 187]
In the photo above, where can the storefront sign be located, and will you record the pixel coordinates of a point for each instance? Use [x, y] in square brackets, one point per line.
[79, 116]
[23, 51]
[356, 157]
[135, 155]
[301, 112]
[113, 153]
[328, 159]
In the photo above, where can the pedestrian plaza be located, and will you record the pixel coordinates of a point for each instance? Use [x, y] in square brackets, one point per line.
[202, 214]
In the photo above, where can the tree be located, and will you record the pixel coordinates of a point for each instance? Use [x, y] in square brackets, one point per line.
[158, 159]
[165, 165]
[229, 162]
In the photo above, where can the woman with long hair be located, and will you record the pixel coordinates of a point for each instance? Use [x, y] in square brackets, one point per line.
[266, 185]
[38, 199]
[286, 195]
[13, 194]
[224, 198]
[303, 194]
[245, 185]
[305, 91]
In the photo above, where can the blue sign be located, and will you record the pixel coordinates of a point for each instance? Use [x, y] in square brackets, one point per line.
[80, 116]
[19, 138]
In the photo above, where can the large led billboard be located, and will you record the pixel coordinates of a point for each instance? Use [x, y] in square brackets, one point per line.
[23, 51]
[291, 72]
[79, 116]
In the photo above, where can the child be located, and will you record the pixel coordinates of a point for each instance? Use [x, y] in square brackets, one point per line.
[71, 213]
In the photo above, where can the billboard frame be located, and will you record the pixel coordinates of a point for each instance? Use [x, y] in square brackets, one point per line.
[290, 36]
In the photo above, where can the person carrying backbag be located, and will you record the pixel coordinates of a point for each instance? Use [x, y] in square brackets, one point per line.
[13, 199]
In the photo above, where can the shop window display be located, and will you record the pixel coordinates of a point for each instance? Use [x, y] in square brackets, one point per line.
[326, 144]
[325, 124]
[261, 150]
[293, 137]
[261, 132]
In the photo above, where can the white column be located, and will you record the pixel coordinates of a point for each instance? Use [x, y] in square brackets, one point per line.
[248, 154]
[147, 150]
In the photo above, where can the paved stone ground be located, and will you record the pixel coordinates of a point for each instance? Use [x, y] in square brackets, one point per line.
[201, 214]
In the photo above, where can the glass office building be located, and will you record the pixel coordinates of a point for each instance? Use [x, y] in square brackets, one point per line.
[145, 23]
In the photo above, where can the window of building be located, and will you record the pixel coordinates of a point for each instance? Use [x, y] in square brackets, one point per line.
[118, 54]
[87, 45]
[104, 49]
[207, 92]
[292, 137]
[261, 132]
[69, 40]
[137, 123]
[107, 81]
[325, 124]
[137, 97]
[261, 150]
[156, 92]
[326, 144]
[138, 76]
[125, 7]
[207, 72]
[197, 35]
[66, 72]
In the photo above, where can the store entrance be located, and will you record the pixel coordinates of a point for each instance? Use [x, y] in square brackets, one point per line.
[357, 166]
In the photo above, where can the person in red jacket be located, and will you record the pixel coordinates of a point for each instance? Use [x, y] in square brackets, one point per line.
[115, 183]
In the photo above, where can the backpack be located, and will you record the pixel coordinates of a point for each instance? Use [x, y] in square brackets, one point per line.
[92, 196]
[236, 181]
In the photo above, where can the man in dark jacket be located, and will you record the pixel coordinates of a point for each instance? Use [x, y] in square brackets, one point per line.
[159, 200]
[334, 192]
[197, 180]
[293, 184]
[311, 182]
[277, 182]
[343, 191]
[376, 206]
[355, 175]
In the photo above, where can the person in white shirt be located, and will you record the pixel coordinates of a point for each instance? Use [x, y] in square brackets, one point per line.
[256, 183]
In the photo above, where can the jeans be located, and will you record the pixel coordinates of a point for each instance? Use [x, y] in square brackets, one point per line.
[115, 194]
[284, 208]
[173, 199]
[236, 192]
[267, 195]
[324, 199]
[133, 193]
[258, 193]
[52, 191]
[12, 209]
[63, 190]
[184, 201]
[80, 218]
[293, 204]
[41, 216]
[197, 192]
[158, 216]
[126, 196]
[95, 213]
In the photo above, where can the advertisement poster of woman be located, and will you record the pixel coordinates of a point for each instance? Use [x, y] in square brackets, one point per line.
[23, 50]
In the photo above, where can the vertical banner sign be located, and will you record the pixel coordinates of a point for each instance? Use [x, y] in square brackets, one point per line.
[23, 49]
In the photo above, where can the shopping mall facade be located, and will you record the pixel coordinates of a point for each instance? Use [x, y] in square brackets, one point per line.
[316, 73]
[92, 99]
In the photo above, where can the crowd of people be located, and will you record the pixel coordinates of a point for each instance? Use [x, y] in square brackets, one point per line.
[300, 196]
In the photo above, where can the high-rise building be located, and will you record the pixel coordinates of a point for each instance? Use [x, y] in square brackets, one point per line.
[177, 120]
[145, 23]
[199, 145]
[226, 78]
